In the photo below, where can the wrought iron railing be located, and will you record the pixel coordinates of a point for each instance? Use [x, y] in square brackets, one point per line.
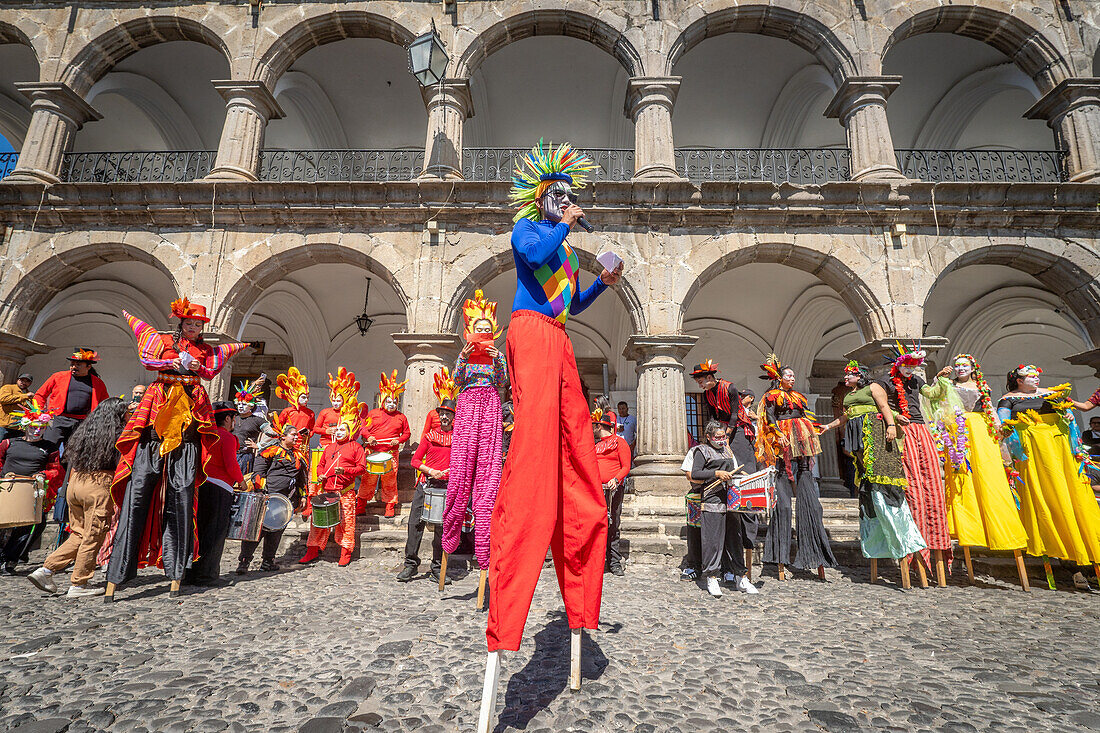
[7, 163]
[984, 166]
[169, 166]
[341, 165]
[497, 164]
[798, 166]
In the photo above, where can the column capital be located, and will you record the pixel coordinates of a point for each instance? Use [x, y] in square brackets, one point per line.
[643, 349]
[642, 91]
[859, 91]
[873, 354]
[451, 93]
[60, 99]
[429, 346]
[1066, 96]
[251, 94]
[1089, 358]
[14, 352]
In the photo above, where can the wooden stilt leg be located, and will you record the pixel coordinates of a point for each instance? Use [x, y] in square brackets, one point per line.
[941, 577]
[109, 594]
[821, 572]
[443, 573]
[174, 589]
[748, 565]
[874, 570]
[1096, 569]
[1050, 573]
[905, 572]
[487, 715]
[969, 566]
[781, 575]
[481, 590]
[920, 570]
[574, 659]
[1022, 570]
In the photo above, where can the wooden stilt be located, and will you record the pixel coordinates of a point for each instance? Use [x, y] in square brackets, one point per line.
[1096, 569]
[941, 577]
[905, 572]
[574, 659]
[969, 566]
[748, 565]
[481, 590]
[821, 572]
[443, 573]
[174, 589]
[1022, 570]
[874, 570]
[1050, 573]
[781, 575]
[109, 594]
[920, 571]
[487, 715]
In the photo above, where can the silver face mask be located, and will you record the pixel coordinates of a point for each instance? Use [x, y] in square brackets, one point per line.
[556, 199]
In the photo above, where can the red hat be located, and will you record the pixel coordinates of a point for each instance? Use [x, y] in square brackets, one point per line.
[184, 308]
[83, 353]
[607, 419]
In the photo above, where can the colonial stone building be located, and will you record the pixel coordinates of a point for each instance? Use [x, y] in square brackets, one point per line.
[810, 177]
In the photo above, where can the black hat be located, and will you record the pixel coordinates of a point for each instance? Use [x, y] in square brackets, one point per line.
[26, 376]
[224, 408]
[707, 367]
[448, 405]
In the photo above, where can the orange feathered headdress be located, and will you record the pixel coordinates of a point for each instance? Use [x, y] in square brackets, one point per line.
[344, 386]
[606, 419]
[291, 386]
[351, 412]
[389, 386]
[772, 367]
[478, 309]
[444, 386]
[183, 308]
[83, 353]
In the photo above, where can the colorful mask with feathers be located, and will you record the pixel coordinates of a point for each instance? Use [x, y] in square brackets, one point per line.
[390, 388]
[344, 387]
[478, 309]
[773, 368]
[247, 392]
[32, 415]
[444, 386]
[291, 386]
[540, 169]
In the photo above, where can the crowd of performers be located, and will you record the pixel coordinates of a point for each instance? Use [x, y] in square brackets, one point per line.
[935, 462]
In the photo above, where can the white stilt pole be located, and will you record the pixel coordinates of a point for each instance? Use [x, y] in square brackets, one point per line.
[489, 694]
[574, 659]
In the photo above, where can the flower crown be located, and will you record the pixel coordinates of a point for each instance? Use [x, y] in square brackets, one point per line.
[1022, 368]
[902, 356]
[539, 168]
[32, 415]
[444, 386]
[247, 392]
[344, 386]
[291, 386]
[478, 309]
[390, 387]
[854, 367]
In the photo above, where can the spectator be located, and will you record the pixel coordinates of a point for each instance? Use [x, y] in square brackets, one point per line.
[627, 426]
[12, 397]
[135, 397]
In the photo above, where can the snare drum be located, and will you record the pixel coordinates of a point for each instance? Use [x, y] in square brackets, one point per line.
[277, 513]
[380, 463]
[694, 506]
[248, 516]
[435, 499]
[326, 510]
[21, 500]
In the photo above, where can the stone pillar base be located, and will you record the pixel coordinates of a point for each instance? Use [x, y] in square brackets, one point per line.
[31, 175]
[231, 173]
[659, 485]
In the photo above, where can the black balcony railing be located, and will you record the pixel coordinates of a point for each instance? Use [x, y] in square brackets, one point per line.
[341, 165]
[167, 166]
[799, 166]
[984, 166]
[497, 164]
[7, 163]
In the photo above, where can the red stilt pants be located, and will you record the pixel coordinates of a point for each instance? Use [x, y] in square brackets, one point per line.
[550, 493]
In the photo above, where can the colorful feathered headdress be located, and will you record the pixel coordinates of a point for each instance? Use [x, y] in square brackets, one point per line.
[773, 368]
[478, 309]
[854, 367]
[351, 412]
[902, 356]
[707, 367]
[344, 386]
[1023, 369]
[183, 308]
[83, 353]
[390, 387]
[291, 386]
[541, 167]
[31, 415]
[247, 392]
[444, 386]
[606, 419]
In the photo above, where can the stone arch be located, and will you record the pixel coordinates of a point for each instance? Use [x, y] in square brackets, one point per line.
[500, 262]
[868, 312]
[1005, 31]
[115, 296]
[794, 105]
[1073, 275]
[805, 31]
[13, 34]
[947, 121]
[99, 55]
[807, 321]
[975, 328]
[301, 93]
[291, 43]
[557, 22]
[164, 112]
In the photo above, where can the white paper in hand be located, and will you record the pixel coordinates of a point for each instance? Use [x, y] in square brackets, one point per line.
[609, 260]
[186, 359]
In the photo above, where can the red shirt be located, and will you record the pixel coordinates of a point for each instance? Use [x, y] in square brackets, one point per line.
[434, 451]
[385, 427]
[55, 390]
[220, 462]
[329, 418]
[613, 458]
[348, 456]
[300, 417]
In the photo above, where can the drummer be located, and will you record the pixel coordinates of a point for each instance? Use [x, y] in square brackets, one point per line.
[26, 457]
[215, 502]
[283, 471]
[433, 460]
[339, 389]
[384, 430]
[342, 461]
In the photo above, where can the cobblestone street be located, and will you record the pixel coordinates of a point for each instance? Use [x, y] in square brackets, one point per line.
[330, 649]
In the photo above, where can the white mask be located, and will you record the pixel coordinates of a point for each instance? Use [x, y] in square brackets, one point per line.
[244, 408]
[303, 400]
[390, 405]
[1032, 380]
[963, 369]
[341, 433]
[906, 371]
[33, 433]
[337, 403]
[553, 204]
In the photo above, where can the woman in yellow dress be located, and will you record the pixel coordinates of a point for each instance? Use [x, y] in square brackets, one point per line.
[1057, 506]
[982, 509]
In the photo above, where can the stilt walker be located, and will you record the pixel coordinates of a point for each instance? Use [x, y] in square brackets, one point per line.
[550, 491]
[161, 446]
[384, 430]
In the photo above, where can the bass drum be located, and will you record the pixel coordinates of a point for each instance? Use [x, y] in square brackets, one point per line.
[277, 513]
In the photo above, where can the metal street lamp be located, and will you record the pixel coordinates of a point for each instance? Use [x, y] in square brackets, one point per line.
[428, 58]
[363, 321]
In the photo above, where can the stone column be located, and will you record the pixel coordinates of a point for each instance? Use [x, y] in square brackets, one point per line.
[662, 419]
[449, 106]
[14, 352]
[425, 354]
[1072, 110]
[57, 112]
[649, 101]
[860, 105]
[248, 107]
[873, 353]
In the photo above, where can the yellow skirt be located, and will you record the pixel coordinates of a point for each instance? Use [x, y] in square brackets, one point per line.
[1057, 506]
[980, 509]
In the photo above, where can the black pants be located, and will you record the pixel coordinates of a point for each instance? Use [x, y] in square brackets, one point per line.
[61, 428]
[20, 540]
[177, 472]
[416, 531]
[814, 549]
[271, 541]
[724, 538]
[614, 556]
[212, 525]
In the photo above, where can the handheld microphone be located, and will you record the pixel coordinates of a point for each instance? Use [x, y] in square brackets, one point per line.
[585, 225]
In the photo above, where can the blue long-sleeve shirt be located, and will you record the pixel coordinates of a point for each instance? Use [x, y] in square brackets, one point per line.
[547, 271]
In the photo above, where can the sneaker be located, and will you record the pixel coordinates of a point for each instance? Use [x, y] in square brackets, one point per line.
[1079, 582]
[43, 579]
[269, 566]
[745, 586]
[729, 578]
[407, 573]
[242, 567]
[435, 579]
[688, 574]
[83, 591]
[617, 570]
[713, 588]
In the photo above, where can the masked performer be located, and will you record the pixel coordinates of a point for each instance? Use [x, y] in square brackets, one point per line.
[788, 439]
[613, 462]
[31, 456]
[283, 470]
[478, 441]
[886, 526]
[249, 423]
[341, 463]
[1057, 505]
[69, 396]
[924, 480]
[294, 388]
[552, 453]
[162, 448]
[215, 502]
[385, 430]
[338, 389]
[433, 461]
[981, 508]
